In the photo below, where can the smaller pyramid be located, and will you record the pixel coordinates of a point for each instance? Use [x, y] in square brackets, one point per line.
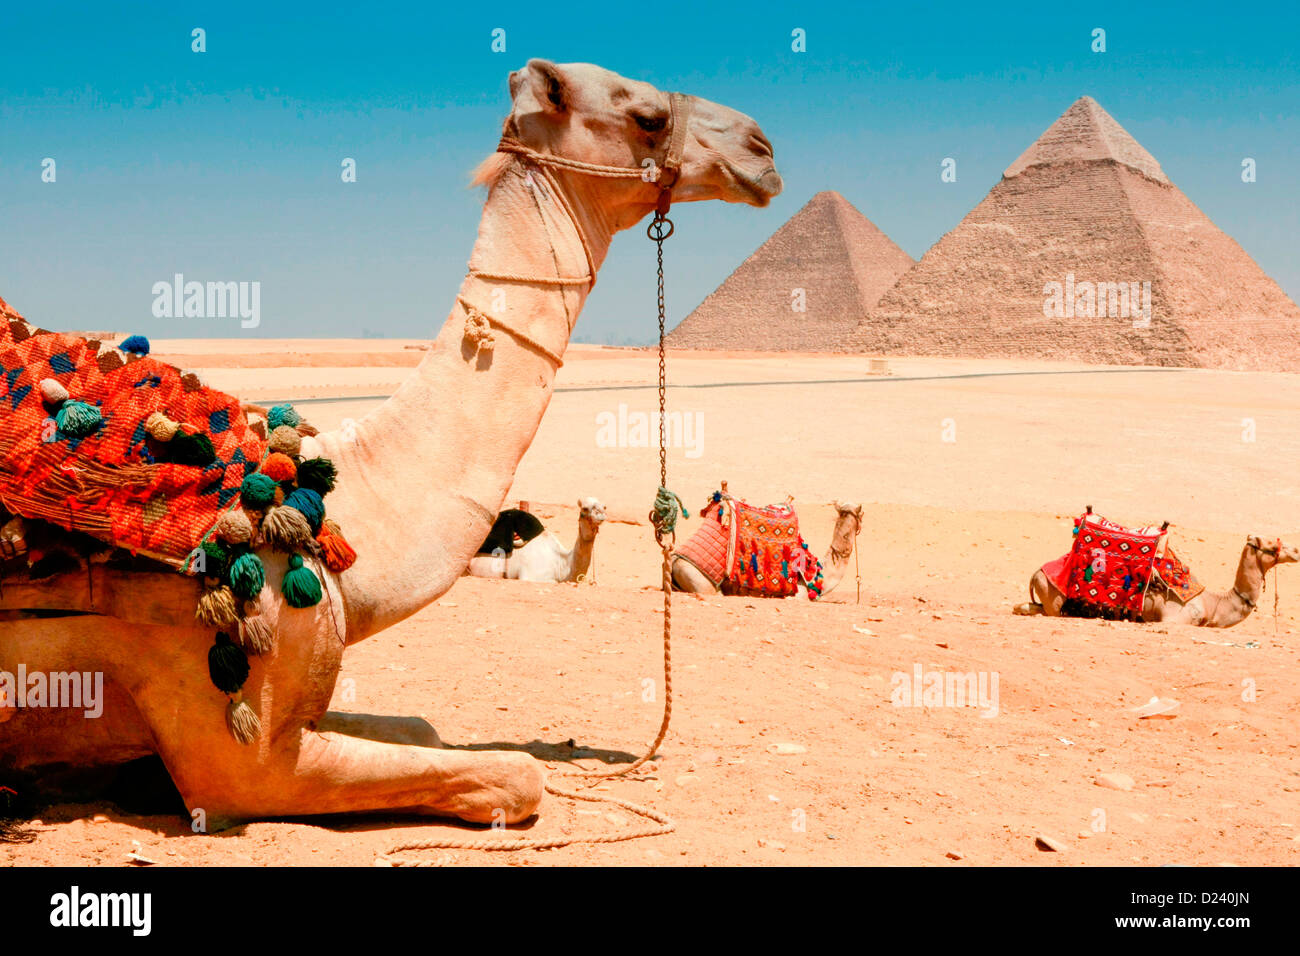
[805, 289]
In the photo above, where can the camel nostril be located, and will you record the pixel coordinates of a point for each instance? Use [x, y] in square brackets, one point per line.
[760, 144]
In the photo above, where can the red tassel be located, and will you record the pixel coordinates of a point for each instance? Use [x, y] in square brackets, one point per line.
[338, 553]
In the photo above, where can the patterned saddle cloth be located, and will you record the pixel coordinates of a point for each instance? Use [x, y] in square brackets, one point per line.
[98, 471]
[1110, 568]
[748, 550]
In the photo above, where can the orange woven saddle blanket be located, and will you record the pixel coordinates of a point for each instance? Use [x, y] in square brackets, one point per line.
[74, 450]
[751, 550]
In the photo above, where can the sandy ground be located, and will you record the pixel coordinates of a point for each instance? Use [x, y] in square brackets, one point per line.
[785, 747]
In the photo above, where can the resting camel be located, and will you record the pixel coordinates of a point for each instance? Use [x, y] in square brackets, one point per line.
[687, 577]
[420, 481]
[1208, 609]
[542, 558]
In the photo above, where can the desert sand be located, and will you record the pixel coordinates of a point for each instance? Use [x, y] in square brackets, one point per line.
[970, 471]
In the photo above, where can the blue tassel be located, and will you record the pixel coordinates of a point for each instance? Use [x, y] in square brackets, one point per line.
[136, 344]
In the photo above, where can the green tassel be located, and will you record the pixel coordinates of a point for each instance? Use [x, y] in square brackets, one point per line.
[227, 665]
[216, 559]
[77, 418]
[247, 576]
[301, 588]
[318, 475]
[193, 449]
[257, 490]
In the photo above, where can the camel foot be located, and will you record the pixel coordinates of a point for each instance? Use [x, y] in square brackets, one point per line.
[1027, 609]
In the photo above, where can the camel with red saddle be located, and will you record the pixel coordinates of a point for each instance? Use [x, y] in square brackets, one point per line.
[585, 154]
[1170, 602]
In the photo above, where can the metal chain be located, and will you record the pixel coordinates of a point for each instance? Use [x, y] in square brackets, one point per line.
[660, 228]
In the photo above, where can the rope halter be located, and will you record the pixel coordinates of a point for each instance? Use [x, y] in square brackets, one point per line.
[665, 173]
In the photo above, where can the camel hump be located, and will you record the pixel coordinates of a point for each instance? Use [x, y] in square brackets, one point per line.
[511, 524]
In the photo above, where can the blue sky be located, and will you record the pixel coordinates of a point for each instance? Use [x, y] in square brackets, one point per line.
[225, 165]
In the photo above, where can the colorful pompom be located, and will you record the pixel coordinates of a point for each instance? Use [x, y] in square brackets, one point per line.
[279, 467]
[301, 588]
[193, 449]
[136, 344]
[247, 576]
[285, 440]
[309, 503]
[286, 529]
[282, 415]
[217, 608]
[160, 428]
[318, 474]
[257, 490]
[53, 391]
[77, 418]
[233, 527]
[339, 555]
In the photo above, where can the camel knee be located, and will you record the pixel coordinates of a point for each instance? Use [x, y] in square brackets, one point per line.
[505, 786]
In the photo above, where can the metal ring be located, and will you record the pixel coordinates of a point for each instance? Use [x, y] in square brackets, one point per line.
[658, 234]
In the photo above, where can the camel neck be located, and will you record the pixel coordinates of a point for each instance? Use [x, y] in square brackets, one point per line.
[583, 549]
[422, 477]
[1250, 576]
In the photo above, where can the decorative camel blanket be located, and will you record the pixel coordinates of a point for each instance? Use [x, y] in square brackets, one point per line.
[1109, 568]
[753, 551]
[75, 451]
[142, 456]
[1177, 577]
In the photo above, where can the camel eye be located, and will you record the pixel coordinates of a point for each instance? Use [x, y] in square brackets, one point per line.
[651, 124]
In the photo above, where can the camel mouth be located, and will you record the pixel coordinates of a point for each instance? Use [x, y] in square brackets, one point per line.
[762, 188]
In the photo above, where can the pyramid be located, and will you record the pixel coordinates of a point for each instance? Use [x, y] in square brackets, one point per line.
[829, 250]
[1084, 206]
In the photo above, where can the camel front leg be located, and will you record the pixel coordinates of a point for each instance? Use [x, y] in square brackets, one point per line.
[1044, 597]
[691, 579]
[415, 731]
[326, 772]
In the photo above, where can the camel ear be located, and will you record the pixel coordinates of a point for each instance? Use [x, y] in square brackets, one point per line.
[545, 84]
[1253, 541]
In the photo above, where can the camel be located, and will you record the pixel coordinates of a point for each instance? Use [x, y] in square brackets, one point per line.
[1208, 609]
[687, 577]
[543, 558]
[586, 154]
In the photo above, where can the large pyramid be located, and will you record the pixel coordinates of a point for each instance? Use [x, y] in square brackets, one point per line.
[830, 251]
[1082, 218]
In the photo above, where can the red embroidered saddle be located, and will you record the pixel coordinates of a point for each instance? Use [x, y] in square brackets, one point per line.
[107, 477]
[1110, 568]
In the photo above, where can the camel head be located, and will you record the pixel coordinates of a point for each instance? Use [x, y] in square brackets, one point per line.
[591, 514]
[582, 112]
[849, 520]
[1269, 553]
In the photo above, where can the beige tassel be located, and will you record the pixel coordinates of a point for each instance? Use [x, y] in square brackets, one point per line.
[285, 440]
[241, 721]
[217, 608]
[160, 427]
[234, 527]
[255, 634]
[286, 529]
